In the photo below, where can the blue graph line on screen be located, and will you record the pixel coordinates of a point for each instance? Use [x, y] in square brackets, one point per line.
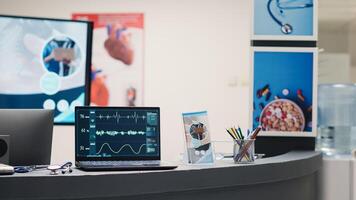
[114, 133]
[117, 116]
[121, 148]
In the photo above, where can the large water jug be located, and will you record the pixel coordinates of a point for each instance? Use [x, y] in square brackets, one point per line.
[336, 119]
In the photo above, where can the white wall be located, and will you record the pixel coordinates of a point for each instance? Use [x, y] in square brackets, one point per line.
[353, 178]
[196, 58]
[336, 179]
[327, 66]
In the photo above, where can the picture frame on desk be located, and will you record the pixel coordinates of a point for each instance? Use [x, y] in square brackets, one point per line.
[198, 144]
[283, 91]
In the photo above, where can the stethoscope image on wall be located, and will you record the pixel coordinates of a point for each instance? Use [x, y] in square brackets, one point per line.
[286, 28]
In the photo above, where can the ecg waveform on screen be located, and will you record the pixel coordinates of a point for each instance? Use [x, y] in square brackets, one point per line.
[118, 117]
[114, 133]
[121, 148]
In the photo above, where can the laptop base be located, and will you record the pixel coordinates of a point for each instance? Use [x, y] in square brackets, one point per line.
[125, 168]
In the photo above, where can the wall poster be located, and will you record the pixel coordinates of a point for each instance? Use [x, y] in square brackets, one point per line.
[117, 58]
[284, 91]
[285, 20]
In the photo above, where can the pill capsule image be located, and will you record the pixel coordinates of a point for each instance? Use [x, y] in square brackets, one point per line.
[261, 106]
[285, 92]
[268, 96]
[259, 94]
[265, 92]
[299, 91]
[300, 95]
[257, 119]
[265, 87]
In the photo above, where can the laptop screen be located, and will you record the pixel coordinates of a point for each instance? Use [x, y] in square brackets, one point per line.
[117, 133]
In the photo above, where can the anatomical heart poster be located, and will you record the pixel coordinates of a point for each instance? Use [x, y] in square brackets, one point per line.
[117, 58]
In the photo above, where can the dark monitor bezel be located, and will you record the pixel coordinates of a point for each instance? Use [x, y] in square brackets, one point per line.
[123, 158]
[31, 133]
[87, 83]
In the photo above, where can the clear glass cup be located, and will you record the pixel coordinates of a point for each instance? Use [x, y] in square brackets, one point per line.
[244, 151]
[222, 149]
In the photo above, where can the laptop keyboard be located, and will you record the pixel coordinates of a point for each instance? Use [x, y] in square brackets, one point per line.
[121, 163]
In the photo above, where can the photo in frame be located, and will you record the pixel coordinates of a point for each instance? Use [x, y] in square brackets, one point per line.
[197, 138]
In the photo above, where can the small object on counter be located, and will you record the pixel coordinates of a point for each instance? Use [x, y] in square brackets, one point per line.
[234, 132]
[244, 149]
[255, 132]
[6, 169]
[240, 132]
[276, 97]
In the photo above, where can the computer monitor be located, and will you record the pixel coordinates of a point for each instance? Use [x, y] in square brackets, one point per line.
[117, 133]
[45, 63]
[30, 132]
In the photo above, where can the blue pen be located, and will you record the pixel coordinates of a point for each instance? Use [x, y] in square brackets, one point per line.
[240, 132]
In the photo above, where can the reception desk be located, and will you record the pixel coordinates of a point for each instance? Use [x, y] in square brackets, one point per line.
[291, 176]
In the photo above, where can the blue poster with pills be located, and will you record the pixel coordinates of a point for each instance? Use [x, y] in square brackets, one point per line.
[284, 91]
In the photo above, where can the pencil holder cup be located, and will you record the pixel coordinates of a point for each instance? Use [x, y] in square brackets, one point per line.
[244, 151]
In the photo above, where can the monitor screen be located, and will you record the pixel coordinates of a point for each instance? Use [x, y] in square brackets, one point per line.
[45, 63]
[30, 135]
[117, 133]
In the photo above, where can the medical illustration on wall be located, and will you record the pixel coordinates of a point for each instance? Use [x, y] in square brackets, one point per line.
[117, 70]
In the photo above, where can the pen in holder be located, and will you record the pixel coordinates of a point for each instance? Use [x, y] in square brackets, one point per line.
[244, 151]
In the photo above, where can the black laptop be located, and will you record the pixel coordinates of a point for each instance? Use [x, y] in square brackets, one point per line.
[118, 138]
